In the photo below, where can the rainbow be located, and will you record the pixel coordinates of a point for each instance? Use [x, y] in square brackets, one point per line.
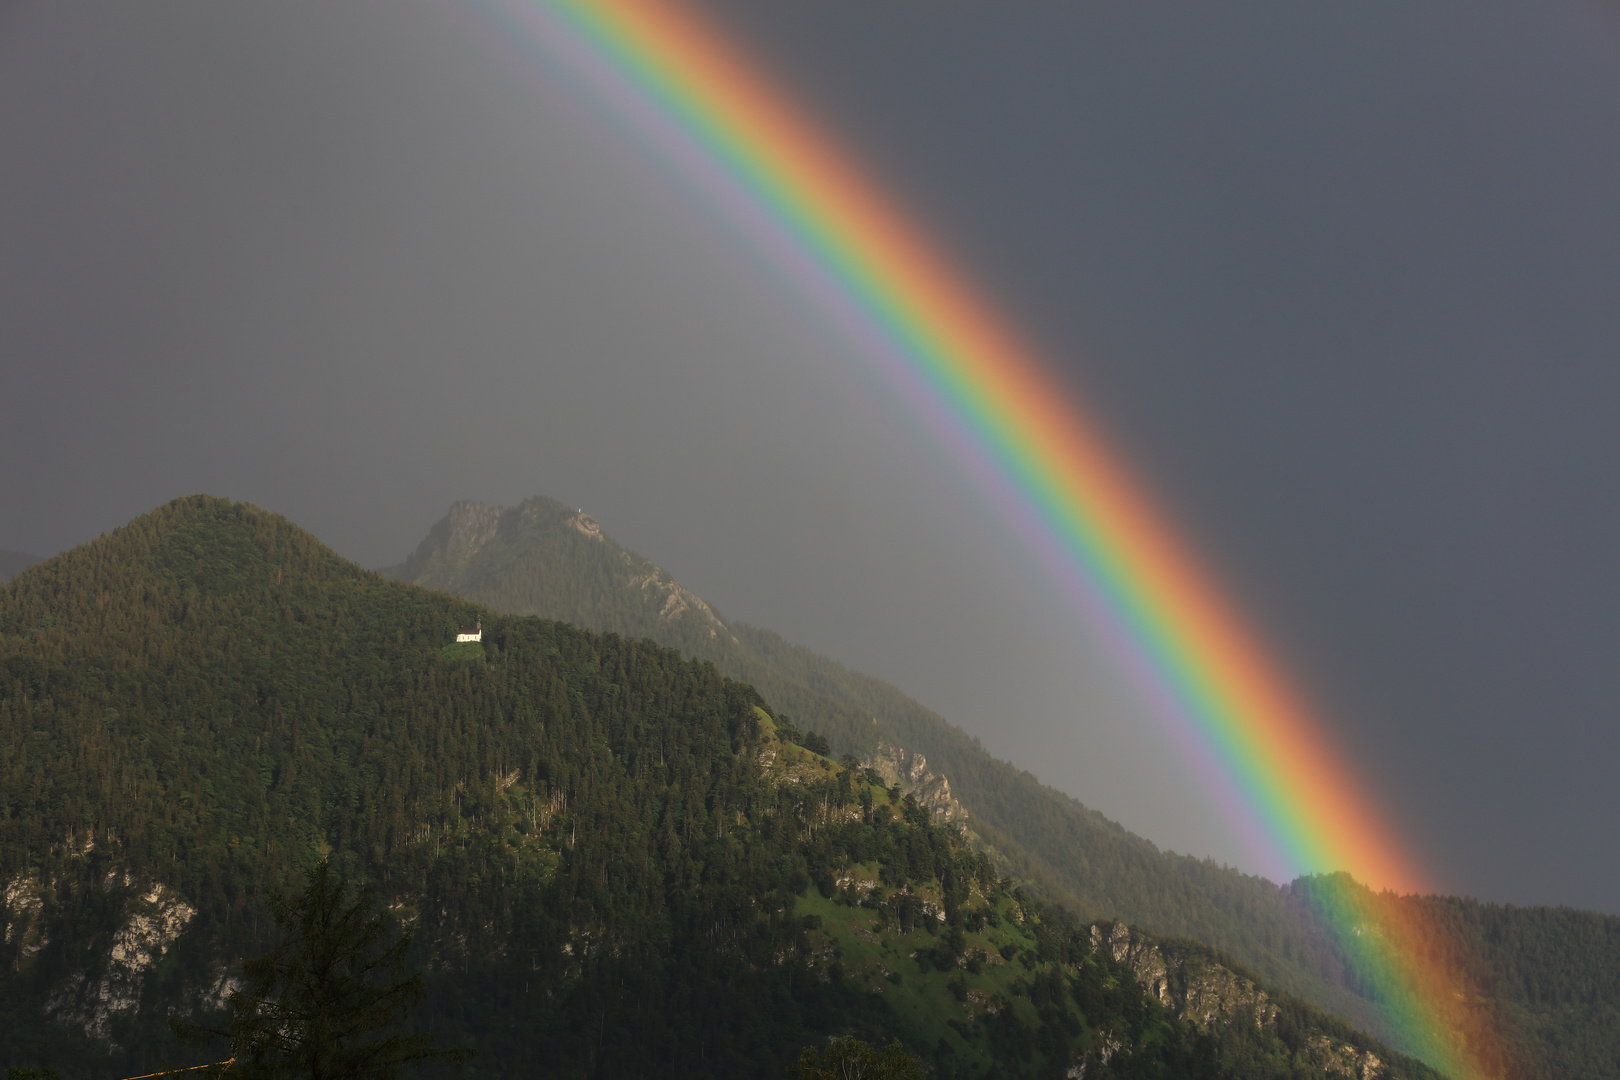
[692, 95]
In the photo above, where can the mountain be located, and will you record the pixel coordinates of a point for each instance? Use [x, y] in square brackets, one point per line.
[615, 861]
[13, 563]
[1552, 976]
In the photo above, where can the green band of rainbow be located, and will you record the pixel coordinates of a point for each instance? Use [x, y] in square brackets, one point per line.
[699, 100]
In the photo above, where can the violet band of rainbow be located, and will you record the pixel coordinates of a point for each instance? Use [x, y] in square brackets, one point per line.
[696, 100]
[997, 392]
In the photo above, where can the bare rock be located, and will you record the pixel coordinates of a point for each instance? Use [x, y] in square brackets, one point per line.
[154, 918]
[898, 765]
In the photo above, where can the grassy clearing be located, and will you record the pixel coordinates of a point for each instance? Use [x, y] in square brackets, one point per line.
[463, 652]
[938, 999]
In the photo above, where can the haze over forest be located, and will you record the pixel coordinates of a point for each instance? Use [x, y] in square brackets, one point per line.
[1338, 283]
[611, 857]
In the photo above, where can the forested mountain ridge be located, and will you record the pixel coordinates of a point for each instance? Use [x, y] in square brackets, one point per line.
[616, 860]
[1553, 974]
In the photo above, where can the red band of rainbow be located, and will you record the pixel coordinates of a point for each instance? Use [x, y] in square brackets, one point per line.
[696, 99]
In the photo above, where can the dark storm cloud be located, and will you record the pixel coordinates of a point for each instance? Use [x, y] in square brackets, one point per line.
[1340, 282]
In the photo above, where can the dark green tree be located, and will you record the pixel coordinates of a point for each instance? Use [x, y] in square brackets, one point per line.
[850, 1058]
[326, 1002]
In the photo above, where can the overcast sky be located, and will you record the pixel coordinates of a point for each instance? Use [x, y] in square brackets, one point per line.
[1341, 281]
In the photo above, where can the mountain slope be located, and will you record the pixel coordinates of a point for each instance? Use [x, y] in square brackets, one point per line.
[616, 861]
[547, 559]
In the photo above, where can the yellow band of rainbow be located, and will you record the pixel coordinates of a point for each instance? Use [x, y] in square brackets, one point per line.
[699, 99]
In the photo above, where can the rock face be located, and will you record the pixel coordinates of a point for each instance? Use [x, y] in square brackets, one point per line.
[474, 549]
[1208, 995]
[24, 900]
[468, 527]
[581, 522]
[672, 599]
[1191, 987]
[898, 765]
[111, 985]
[1340, 1059]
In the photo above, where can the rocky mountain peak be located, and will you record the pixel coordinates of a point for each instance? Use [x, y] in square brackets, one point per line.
[460, 551]
[471, 525]
[585, 525]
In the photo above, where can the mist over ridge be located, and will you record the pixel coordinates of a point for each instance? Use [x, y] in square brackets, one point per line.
[611, 855]
[542, 557]
[1337, 281]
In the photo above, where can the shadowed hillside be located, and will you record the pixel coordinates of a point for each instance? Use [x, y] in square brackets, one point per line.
[1554, 973]
[614, 860]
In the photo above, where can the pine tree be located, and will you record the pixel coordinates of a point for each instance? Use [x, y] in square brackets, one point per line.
[325, 1002]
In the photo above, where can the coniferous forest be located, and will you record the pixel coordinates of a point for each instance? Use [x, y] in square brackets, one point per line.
[612, 859]
[1550, 975]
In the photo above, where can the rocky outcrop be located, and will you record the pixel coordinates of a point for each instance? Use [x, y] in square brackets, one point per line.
[1108, 1046]
[448, 558]
[24, 900]
[1341, 1059]
[1191, 986]
[898, 765]
[451, 544]
[978, 1004]
[581, 522]
[217, 994]
[857, 882]
[471, 525]
[672, 600]
[1208, 995]
[89, 1000]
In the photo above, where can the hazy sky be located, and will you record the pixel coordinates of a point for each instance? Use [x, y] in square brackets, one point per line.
[1342, 282]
